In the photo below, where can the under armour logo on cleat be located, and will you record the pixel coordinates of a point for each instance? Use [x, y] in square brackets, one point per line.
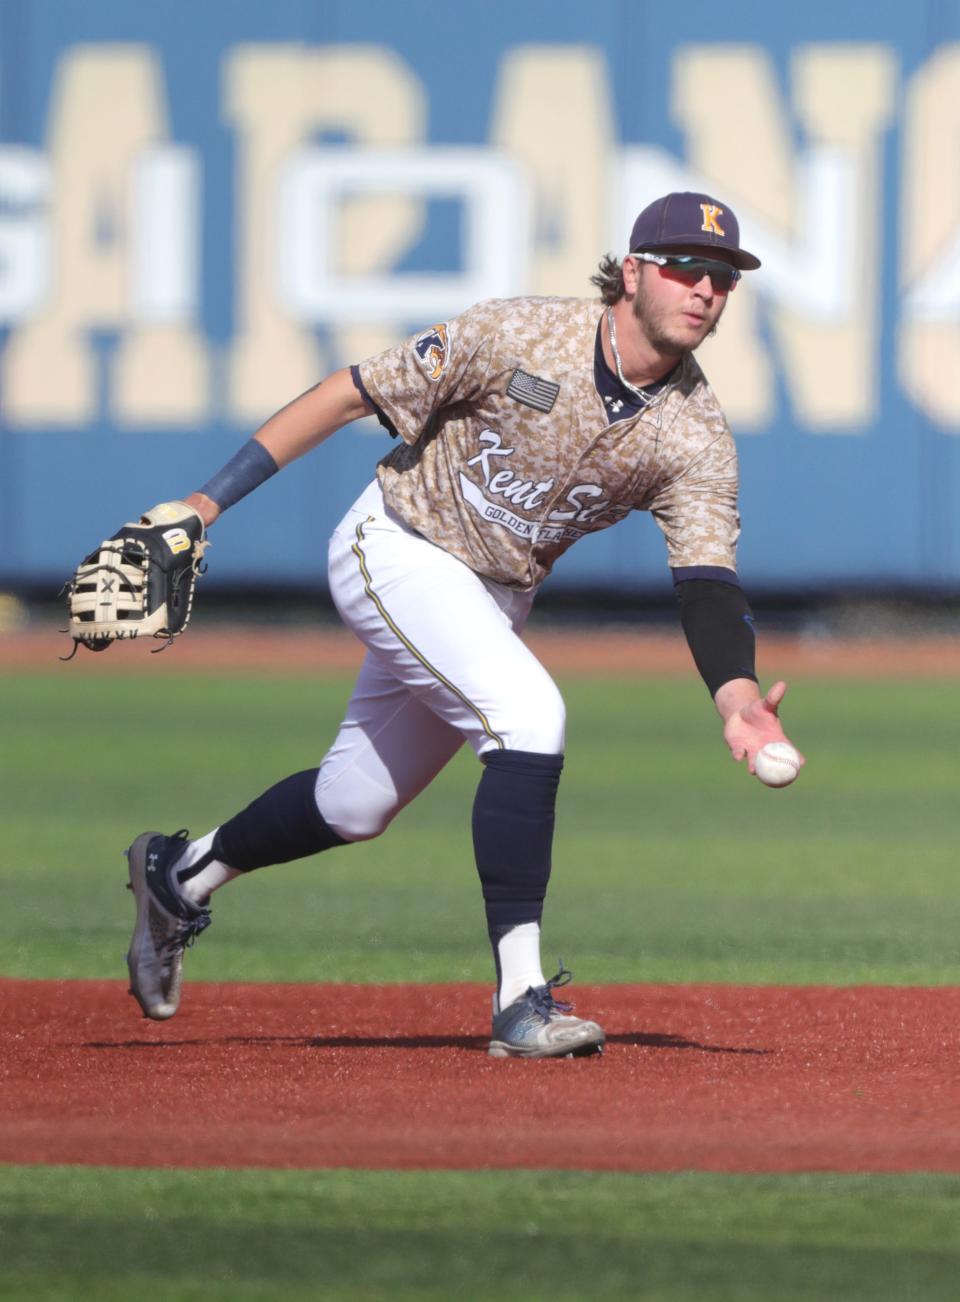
[151, 862]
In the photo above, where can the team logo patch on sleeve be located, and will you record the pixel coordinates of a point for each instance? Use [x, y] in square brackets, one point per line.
[532, 391]
[431, 350]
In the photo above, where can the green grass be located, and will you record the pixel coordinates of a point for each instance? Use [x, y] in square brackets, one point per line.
[78, 1233]
[670, 863]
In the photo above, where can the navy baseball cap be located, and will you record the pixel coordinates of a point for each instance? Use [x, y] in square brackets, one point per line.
[688, 218]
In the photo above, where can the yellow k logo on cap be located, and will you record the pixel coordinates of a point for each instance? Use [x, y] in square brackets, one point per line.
[711, 214]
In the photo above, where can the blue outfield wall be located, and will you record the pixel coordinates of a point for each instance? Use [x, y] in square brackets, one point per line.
[204, 208]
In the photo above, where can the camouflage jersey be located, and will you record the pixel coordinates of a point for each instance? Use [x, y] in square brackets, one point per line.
[508, 457]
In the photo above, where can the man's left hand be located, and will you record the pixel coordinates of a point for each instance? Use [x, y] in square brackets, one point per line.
[749, 719]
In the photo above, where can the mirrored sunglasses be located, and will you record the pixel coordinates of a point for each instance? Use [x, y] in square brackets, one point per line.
[723, 277]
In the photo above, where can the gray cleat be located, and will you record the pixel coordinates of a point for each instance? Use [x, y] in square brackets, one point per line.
[166, 924]
[538, 1026]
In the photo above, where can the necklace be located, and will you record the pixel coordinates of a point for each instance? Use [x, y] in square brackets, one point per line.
[643, 394]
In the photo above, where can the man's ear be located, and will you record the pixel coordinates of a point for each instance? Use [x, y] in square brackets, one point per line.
[631, 274]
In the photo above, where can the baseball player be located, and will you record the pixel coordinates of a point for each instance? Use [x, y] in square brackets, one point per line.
[521, 426]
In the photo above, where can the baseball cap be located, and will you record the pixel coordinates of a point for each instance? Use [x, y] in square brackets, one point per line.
[689, 218]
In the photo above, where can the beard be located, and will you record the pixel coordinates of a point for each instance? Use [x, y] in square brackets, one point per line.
[668, 341]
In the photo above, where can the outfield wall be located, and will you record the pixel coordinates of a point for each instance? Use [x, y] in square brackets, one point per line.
[206, 207]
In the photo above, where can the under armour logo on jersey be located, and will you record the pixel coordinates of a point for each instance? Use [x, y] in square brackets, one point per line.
[532, 391]
[615, 404]
[431, 349]
[711, 219]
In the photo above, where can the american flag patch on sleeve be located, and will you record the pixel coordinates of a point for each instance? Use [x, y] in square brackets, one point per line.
[532, 391]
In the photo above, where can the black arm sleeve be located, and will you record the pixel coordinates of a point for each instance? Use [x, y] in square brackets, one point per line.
[718, 625]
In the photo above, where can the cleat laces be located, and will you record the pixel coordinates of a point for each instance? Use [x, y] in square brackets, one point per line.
[189, 929]
[187, 933]
[541, 997]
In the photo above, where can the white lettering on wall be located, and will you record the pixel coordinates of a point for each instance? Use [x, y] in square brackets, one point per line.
[101, 230]
[24, 231]
[107, 108]
[314, 184]
[929, 335]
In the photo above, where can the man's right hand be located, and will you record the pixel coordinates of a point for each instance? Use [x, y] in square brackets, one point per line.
[204, 506]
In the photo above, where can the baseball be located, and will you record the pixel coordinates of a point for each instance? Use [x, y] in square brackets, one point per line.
[777, 764]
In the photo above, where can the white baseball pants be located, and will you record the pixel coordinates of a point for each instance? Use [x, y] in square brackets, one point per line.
[444, 664]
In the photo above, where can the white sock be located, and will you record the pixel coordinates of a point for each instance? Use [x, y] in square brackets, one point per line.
[211, 877]
[519, 952]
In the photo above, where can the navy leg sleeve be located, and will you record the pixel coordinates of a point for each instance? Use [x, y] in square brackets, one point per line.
[282, 824]
[513, 818]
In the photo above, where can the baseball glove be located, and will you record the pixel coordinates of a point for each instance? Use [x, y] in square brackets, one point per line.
[139, 582]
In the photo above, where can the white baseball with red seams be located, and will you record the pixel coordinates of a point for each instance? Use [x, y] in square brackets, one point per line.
[777, 764]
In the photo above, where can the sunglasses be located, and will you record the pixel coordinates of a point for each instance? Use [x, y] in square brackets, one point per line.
[723, 277]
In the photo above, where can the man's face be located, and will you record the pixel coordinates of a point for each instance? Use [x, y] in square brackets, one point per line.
[675, 309]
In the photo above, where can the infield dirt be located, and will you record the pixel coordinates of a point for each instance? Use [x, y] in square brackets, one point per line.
[246, 648]
[703, 1077]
